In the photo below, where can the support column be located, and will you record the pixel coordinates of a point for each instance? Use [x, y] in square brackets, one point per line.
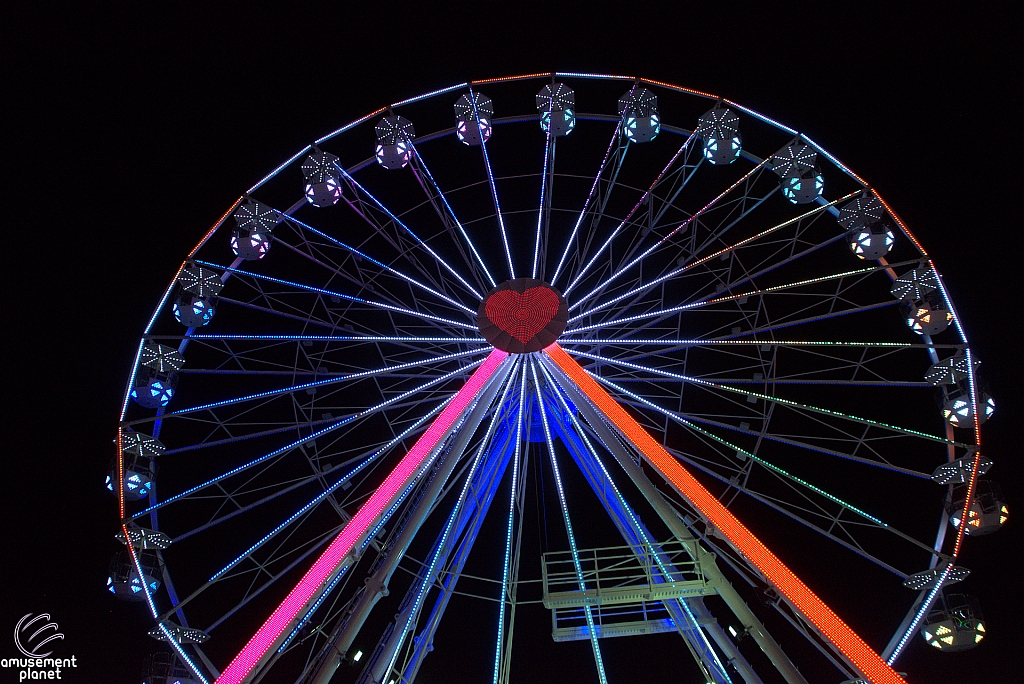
[377, 583]
[345, 547]
[476, 510]
[635, 534]
[668, 515]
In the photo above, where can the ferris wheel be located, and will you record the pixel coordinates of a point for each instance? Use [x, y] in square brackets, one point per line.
[636, 358]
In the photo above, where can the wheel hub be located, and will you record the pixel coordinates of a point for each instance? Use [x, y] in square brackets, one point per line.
[522, 316]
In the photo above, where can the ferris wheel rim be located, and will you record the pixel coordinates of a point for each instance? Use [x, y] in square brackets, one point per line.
[497, 121]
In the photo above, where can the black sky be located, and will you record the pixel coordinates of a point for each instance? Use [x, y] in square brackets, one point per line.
[128, 131]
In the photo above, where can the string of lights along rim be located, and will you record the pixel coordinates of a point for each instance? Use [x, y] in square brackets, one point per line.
[545, 359]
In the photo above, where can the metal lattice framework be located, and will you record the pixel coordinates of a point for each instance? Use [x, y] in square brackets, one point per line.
[726, 362]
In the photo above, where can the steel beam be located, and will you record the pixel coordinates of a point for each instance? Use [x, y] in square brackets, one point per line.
[470, 521]
[668, 515]
[377, 583]
[635, 534]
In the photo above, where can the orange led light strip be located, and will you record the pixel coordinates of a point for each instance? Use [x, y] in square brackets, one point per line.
[220, 221]
[857, 652]
[903, 226]
[521, 77]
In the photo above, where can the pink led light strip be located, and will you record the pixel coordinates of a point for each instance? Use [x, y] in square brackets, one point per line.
[316, 578]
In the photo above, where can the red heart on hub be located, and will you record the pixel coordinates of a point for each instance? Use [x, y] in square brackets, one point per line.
[522, 315]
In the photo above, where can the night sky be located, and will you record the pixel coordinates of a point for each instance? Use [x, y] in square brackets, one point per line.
[128, 132]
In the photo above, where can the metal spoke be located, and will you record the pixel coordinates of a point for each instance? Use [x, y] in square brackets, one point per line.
[408, 230]
[289, 447]
[451, 212]
[586, 206]
[725, 251]
[318, 290]
[375, 262]
[568, 525]
[544, 207]
[501, 650]
[784, 402]
[494, 189]
[681, 227]
[752, 293]
[583, 271]
[342, 377]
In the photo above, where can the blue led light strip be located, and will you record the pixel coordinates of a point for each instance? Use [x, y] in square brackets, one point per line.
[426, 579]
[494, 188]
[138, 565]
[320, 497]
[609, 77]
[152, 608]
[349, 125]
[408, 230]
[681, 269]
[766, 397]
[142, 577]
[163, 300]
[695, 342]
[632, 211]
[131, 379]
[949, 302]
[320, 290]
[432, 93]
[832, 159]
[548, 150]
[380, 264]
[343, 338]
[726, 298]
[329, 381]
[279, 168]
[313, 436]
[925, 607]
[451, 212]
[508, 532]
[635, 524]
[586, 205]
[312, 609]
[181, 653]
[142, 342]
[615, 274]
[762, 117]
[568, 525]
